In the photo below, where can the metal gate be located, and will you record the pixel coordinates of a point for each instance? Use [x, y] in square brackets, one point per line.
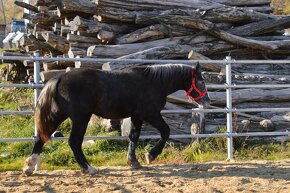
[228, 86]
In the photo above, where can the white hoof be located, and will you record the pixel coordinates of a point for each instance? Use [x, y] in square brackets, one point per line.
[91, 170]
[31, 164]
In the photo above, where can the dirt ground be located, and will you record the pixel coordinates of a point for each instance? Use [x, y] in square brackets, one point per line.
[254, 176]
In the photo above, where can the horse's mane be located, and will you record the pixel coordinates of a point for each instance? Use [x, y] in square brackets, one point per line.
[165, 71]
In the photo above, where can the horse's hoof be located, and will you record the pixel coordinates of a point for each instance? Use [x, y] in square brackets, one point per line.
[91, 171]
[30, 164]
[27, 171]
[135, 165]
[149, 158]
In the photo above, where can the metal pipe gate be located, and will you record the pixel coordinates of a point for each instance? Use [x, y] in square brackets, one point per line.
[37, 85]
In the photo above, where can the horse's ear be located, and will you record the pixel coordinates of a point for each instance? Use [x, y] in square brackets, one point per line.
[197, 67]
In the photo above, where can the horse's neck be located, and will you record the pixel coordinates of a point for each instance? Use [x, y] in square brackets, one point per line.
[174, 84]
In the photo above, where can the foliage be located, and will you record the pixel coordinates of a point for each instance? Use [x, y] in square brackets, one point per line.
[281, 7]
[11, 11]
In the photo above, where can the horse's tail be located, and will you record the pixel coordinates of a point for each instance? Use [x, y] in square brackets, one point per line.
[45, 109]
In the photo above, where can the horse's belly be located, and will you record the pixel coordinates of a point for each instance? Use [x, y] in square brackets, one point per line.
[114, 112]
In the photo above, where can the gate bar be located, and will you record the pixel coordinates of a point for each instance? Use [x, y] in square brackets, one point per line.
[249, 134]
[229, 106]
[36, 76]
[146, 60]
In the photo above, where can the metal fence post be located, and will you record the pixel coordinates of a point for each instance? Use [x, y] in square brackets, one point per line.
[36, 77]
[229, 107]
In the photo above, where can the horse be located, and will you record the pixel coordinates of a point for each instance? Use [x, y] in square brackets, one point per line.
[139, 93]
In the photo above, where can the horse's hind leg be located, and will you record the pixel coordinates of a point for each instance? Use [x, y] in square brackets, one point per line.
[79, 126]
[159, 123]
[133, 140]
[33, 162]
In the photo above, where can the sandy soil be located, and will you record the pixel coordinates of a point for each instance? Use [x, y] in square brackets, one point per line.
[254, 176]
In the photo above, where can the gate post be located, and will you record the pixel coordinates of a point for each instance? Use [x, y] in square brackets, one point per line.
[229, 108]
[36, 77]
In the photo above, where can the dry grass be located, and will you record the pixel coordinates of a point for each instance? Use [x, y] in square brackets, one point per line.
[281, 7]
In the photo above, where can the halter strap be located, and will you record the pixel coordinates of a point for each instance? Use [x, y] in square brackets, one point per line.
[193, 87]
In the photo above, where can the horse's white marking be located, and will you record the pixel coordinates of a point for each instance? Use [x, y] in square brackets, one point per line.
[32, 163]
[91, 170]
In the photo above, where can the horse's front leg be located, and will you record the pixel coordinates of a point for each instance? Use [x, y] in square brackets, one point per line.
[133, 142]
[158, 122]
[79, 126]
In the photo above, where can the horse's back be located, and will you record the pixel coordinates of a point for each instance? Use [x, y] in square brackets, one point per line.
[107, 94]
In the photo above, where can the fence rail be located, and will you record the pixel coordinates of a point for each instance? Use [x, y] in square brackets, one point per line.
[228, 86]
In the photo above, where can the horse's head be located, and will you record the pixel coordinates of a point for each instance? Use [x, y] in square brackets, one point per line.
[197, 91]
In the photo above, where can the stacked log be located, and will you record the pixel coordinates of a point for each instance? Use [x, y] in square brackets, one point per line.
[175, 29]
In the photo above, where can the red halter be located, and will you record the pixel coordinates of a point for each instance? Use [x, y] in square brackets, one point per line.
[193, 87]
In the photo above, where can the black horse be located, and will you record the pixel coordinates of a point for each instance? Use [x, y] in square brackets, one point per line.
[139, 93]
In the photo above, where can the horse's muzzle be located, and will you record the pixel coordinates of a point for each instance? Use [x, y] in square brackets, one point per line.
[204, 101]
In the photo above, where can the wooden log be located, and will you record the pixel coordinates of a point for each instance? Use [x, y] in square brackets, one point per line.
[106, 36]
[83, 39]
[262, 27]
[42, 9]
[48, 18]
[64, 30]
[262, 9]
[93, 65]
[64, 64]
[82, 24]
[79, 23]
[47, 75]
[189, 22]
[269, 37]
[31, 48]
[55, 65]
[198, 44]
[41, 35]
[38, 28]
[87, 34]
[75, 51]
[151, 53]
[276, 104]
[157, 4]
[247, 54]
[82, 64]
[44, 47]
[153, 32]
[219, 15]
[247, 78]
[256, 95]
[56, 28]
[209, 66]
[241, 95]
[51, 65]
[46, 2]
[244, 2]
[115, 28]
[77, 6]
[26, 6]
[83, 45]
[58, 42]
